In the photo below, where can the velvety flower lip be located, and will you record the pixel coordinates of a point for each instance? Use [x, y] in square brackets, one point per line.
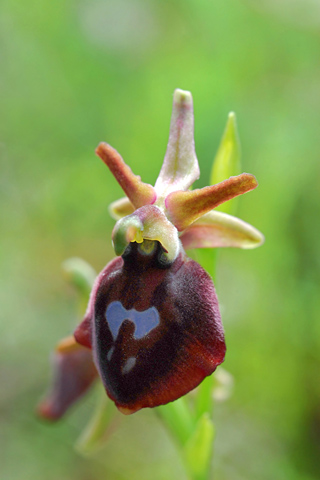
[148, 343]
[152, 330]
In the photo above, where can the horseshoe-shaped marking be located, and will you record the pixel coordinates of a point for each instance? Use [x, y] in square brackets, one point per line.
[144, 321]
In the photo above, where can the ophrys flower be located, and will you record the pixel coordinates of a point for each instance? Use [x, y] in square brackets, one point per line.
[152, 330]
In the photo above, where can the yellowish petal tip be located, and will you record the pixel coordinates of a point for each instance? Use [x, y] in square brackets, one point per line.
[127, 411]
[254, 242]
[182, 97]
[67, 345]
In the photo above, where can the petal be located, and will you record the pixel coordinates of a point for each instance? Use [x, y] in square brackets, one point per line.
[184, 208]
[227, 160]
[83, 333]
[218, 229]
[74, 372]
[139, 193]
[157, 331]
[180, 167]
[146, 223]
[121, 208]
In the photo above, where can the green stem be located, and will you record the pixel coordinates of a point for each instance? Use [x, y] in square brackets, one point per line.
[178, 418]
[198, 451]
[99, 426]
[204, 402]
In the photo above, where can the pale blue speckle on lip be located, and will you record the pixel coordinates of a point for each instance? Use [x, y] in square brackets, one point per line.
[130, 363]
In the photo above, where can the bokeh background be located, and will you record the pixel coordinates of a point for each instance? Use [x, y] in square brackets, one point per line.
[74, 73]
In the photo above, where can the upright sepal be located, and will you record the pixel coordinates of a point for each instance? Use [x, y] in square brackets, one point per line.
[180, 167]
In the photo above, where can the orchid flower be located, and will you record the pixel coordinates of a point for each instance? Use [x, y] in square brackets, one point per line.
[152, 330]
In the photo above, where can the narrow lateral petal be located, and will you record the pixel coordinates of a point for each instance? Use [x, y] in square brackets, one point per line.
[121, 208]
[74, 372]
[218, 229]
[184, 208]
[180, 167]
[139, 193]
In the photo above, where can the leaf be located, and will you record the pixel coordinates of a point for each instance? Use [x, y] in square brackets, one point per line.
[178, 419]
[227, 161]
[198, 450]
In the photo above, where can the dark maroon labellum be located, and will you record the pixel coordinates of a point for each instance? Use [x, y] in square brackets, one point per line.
[156, 328]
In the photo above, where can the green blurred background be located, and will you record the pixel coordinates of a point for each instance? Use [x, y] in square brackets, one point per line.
[74, 73]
